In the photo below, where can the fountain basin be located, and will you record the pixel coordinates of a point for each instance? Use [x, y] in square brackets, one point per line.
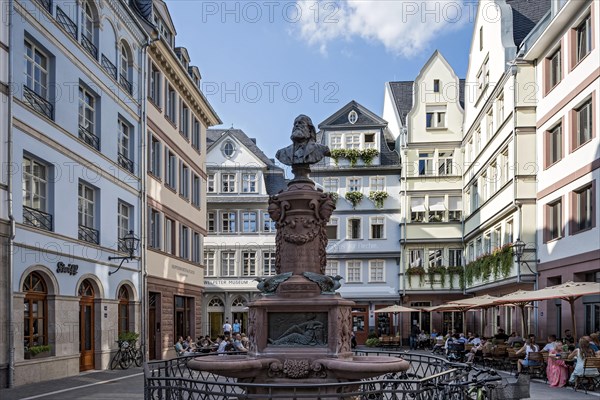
[362, 367]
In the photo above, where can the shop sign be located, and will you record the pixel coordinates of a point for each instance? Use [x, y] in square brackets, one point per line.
[70, 269]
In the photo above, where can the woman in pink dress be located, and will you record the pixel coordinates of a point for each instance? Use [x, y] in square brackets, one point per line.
[557, 371]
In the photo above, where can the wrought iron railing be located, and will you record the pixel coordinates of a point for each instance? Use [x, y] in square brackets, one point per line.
[66, 22]
[125, 162]
[88, 234]
[172, 379]
[89, 46]
[125, 83]
[109, 66]
[38, 103]
[89, 138]
[46, 4]
[37, 218]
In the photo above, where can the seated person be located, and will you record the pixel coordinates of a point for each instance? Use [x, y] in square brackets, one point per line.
[188, 345]
[237, 343]
[477, 348]
[475, 341]
[438, 347]
[551, 345]
[514, 339]
[179, 349]
[222, 349]
[580, 354]
[501, 336]
[529, 347]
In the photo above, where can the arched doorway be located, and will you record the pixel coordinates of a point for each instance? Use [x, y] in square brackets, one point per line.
[239, 312]
[216, 309]
[35, 311]
[86, 326]
[123, 313]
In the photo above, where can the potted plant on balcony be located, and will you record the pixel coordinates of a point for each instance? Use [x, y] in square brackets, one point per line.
[439, 270]
[354, 198]
[336, 154]
[453, 271]
[368, 155]
[378, 197]
[412, 271]
[37, 351]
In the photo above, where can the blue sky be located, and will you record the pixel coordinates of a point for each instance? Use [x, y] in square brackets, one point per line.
[263, 63]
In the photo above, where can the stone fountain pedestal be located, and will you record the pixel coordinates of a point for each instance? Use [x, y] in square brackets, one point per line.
[300, 329]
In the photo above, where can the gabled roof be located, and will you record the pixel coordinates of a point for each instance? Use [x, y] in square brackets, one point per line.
[163, 11]
[526, 14]
[213, 136]
[402, 92]
[366, 118]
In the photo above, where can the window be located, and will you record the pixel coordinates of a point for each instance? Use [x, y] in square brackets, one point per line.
[508, 232]
[583, 124]
[169, 236]
[249, 223]
[88, 23]
[504, 164]
[87, 213]
[489, 124]
[228, 183]
[437, 208]
[249, 263]
[124, 225]
[35, 311]
[35, 194]
[445, 163]
[249, 183]
[496, 238]
[335, 142]
[487, 243]
[454, 208]
[228, 222]
[500, 108]
[583, 215]
[480, 38]
[477, 136]
[184, 242]
[331, 185]
[369, 140]
[125, 68]
[484, 187]
[154, 234]
[377, 183]
[155, 152]
[209, 263]
[354, 184]
[584, 39]
[417, 207]
[416, 258]
[184, 120]
[353, 141]
[211, 222]
[268, 223]
[493, 177]
[210, 183]
[554, 220]
[376, 271]
[353, 271]
[441, 120]
[555, 69]
[455, 258]
[87, 118]
[474, 196]
[354, 228]
[429, 120]
[171, 169]
[332, 268]
[554, 141]
[170, 102]
[154, 89]
[471, 252]
[36, 73]
[436, 85]
[377, 230]
[352, 117]
[184, 307]
[269, 263]
[228, 149]
[196, 190]
[123, 313]
[184, 180]
[434, 258]
[426, 164]
[228, 263]
[332, 229]
[478, 247]
[124, 146]
[196, 133]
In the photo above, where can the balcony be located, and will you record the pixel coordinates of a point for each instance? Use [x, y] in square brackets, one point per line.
[66, 22]
[434, 278]
[37, 218]
[38, 103]
[89, 46]
[87, 234]
[89, 138]
[46, 5]
[125, 162]
[109, 66]
[126, 83]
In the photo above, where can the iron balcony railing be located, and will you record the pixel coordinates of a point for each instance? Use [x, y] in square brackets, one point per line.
[125, 83]
[89, 46]
[89, 138]
[88, 234]
[46, 4]
[38, 103]
[109, 66]
[37, 218]
[66, 22]
[125, 162]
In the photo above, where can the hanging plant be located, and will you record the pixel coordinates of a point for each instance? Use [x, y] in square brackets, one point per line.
[455, 270]
[368, 155]
[416, 271]
[353, 155]
[432, 270]
[334, 196]
[499, 264]
[336, 154]
[354, 198]
[378, 197]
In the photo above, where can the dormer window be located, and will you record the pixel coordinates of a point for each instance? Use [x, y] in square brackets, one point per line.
[436, 85]
[352, 117]
[228, 149]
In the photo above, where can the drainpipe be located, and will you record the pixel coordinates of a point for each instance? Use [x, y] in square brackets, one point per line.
[9, 275]
[403, 151]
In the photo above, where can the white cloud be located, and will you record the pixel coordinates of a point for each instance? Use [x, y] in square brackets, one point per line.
[404, 27]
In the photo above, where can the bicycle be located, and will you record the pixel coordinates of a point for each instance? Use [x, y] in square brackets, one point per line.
[469, 387]
[127, 354]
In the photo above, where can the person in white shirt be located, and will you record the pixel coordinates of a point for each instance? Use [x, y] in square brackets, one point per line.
[227, 327]
[529, 347]
[476, 341]
[222, 344]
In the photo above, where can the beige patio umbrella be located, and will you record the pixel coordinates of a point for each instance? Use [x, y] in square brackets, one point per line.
[520, 298]
[483, 302]
[450, 306]
[397, 309]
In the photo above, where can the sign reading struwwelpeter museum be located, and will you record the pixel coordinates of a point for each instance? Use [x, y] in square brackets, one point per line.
[231, 283]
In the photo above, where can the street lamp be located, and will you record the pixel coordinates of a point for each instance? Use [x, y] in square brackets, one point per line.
[519, 247]
[131, 244]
